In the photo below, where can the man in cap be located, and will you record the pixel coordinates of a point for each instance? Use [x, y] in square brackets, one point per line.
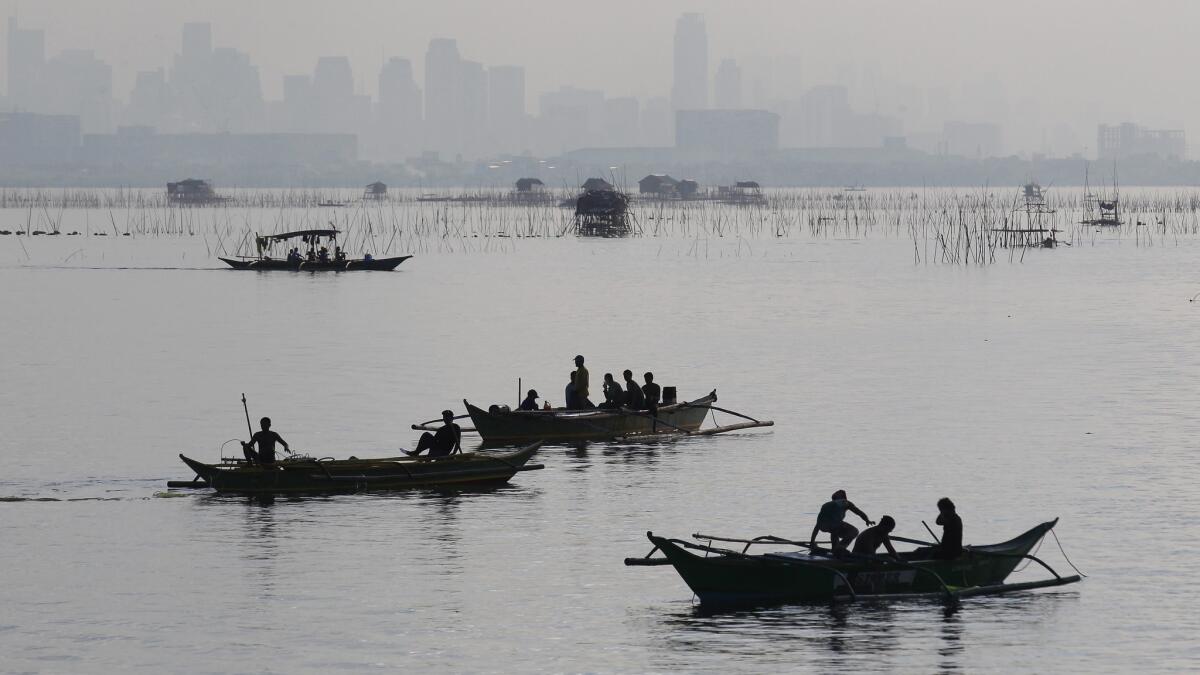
[443, 442]
[581, 384]
[530, 402]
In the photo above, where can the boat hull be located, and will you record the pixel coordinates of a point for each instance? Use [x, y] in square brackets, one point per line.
[746, 580]
[314, 476]
[377, 265]
[518, 426]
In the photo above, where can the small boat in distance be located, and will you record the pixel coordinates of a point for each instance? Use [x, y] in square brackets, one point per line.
[303, 474]
[729, 577]
[314, 257]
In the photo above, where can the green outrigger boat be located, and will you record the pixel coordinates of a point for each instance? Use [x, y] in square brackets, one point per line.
[725, 577]
[311, 475]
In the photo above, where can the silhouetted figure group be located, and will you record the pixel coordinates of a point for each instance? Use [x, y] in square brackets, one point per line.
[631, 395]
[831, 519]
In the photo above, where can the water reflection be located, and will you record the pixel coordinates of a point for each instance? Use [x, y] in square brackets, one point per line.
[843, 637]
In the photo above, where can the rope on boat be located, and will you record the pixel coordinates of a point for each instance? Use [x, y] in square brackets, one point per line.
[1064, 554]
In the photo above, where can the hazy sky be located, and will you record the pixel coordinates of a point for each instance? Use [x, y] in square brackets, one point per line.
[1071, 60]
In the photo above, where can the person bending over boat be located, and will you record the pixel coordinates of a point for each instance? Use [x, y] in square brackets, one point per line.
[530, 402]
[951, 545]
[266, 440]
[832, 519]
[873, 537]
[633, 393]
[581, 385]
[443, 442]
[614, 395]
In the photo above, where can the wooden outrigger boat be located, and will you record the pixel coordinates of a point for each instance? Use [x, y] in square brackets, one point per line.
[309, 261]
[310, 475]
[727, 577]
[516, 426]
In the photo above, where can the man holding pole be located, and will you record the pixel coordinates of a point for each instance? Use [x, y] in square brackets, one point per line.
[266, 440]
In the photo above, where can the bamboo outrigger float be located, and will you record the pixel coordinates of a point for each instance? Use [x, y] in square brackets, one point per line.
[311, 475]
[728, 577]
[501, 425]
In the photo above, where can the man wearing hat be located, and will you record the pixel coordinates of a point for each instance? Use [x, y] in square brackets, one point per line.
[530, 402]
[581, 384]
[443, 442]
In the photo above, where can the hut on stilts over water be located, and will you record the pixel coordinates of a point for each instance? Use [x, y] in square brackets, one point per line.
[602, 213]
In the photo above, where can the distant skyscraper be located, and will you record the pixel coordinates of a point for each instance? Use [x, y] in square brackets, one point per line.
[77, 83]
[506, 108]
[150, 100]
[620, 122]
[727, 85]
[690, 89]
[473, 133]
[398, 114]
[443, 96]
[334, 103]
[197, 41]
[26, 52]
[297, 104]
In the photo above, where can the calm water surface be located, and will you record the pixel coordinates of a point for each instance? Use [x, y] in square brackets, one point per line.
[1064, 385]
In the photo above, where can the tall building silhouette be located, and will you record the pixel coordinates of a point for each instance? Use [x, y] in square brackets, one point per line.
[506, 108]
[398, 112]
[443, 96]
[727, 85]
[26, 52]
[690, 88]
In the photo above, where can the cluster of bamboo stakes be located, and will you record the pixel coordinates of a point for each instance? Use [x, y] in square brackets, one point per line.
[945, 226]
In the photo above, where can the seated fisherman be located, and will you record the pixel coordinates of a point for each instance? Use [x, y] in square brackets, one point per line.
[951, 544]
[339, 255]
[832, 519]
[530, 402]
[572, 402]
[873, 537]
[614, 395]
[266, 440]
[367, 257]
[442, 443]
[651, 393]
[634, 398]
[323, 255]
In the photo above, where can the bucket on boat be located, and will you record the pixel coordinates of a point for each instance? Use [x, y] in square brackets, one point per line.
[668, 394]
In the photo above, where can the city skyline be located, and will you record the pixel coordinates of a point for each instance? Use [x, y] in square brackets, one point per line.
[442, 97]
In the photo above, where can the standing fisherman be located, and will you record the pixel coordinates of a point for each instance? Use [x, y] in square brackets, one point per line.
[581, 384]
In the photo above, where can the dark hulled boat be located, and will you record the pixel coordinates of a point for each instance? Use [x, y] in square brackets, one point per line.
[309, 475]
[515, 426]
[725, 577]
[310, 261]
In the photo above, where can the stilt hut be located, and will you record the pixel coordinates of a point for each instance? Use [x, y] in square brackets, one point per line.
[191, 191]
[376, 190]
[602, 213]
